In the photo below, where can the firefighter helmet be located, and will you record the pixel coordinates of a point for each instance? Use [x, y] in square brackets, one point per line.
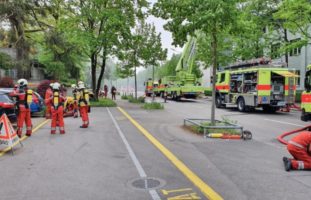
[56, 86]
[81, 85]
[22, 82]
[74, 86]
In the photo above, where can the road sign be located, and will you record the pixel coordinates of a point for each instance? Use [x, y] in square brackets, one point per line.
[8, 136]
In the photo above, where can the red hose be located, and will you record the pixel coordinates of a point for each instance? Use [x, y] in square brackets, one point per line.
[281, 137]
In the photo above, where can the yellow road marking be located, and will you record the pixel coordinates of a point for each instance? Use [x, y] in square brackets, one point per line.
[191, 196]
[24, 137]
[196, 180]
[166, 192]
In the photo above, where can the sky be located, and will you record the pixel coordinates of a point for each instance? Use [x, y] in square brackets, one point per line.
[165, 35]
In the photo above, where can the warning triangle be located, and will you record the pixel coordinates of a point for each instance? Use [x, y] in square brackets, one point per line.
[8, 135]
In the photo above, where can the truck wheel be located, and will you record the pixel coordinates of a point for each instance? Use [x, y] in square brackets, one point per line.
[218, 101]
[304, 116]
[241, 104]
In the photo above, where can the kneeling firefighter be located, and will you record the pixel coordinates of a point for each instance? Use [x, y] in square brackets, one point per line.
[57, 109]
[83, 101]
[300, 148]
[23, 100]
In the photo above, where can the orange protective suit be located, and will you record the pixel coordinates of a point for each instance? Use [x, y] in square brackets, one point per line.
[57, 110]
[48, 95]
[21, 96]
[298, 146]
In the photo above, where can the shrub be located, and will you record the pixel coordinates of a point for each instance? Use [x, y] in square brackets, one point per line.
[138, 100]
[104, 103]
[124, 96]
[153, 106]
[6, 82]
[208, 92]
[298, 96]
[42, 87]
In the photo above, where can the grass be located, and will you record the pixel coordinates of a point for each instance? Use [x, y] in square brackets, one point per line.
[103, 103]
[153, 106]
[200, 129]
[124, 97]
[139, 100]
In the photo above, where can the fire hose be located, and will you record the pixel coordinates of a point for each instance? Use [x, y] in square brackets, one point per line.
[281, 137]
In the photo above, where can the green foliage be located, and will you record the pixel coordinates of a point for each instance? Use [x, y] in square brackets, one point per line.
[208, 92]
[153, 106]
[103, 103]
[298, 96]
[124, 97]
[295, 14]
[139, 100]
[168, 69]
[6, 61]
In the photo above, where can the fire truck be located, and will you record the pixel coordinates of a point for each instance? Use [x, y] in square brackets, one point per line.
[148, 87]
[268, 87]
[185, 84]
[306, 97]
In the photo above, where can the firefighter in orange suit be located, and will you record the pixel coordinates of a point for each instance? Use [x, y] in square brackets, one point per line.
[23, 100]
[57, 109]
[75, 94]
[300, 148]
[48, 94]
[83, 101]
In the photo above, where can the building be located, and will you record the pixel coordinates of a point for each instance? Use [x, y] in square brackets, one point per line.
[36, 71]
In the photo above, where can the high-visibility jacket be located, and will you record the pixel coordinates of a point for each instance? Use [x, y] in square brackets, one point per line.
[83, 98]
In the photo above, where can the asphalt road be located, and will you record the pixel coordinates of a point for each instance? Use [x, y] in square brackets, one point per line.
[112, 159]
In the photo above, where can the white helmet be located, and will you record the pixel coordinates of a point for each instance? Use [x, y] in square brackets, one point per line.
[56, 86]
[74, 86]
[22, 82]
[51, 85]
[81, 85]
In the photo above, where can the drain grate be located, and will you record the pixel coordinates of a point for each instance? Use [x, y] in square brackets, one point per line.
[146, 183]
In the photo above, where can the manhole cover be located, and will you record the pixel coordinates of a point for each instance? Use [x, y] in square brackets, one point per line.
[147, 183]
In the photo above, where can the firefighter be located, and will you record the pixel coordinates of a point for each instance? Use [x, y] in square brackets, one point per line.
[75, 98]
[83, 101]
[23, 100]
[48, 94]
[300, 148]
[57, 109]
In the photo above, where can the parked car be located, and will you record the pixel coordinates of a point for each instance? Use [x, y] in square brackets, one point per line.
[7, 106]
[36, 107]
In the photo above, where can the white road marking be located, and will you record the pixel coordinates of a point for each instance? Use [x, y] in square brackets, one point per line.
[285, 123]
[141, 171]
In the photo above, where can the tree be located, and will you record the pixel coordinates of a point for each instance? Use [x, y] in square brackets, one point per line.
[101, 26]
[296, 16]
[143, 48]
[211, 17]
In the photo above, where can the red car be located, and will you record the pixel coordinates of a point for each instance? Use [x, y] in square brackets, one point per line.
[7, 106]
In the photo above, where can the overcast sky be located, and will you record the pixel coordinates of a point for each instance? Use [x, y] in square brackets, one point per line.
[165, 35]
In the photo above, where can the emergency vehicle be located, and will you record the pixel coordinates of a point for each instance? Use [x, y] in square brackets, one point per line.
[306, 97]
[267, 87]
[148, 87]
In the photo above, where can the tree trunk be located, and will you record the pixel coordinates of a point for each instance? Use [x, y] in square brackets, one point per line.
[22, 49]
[286, 40]
[102, 70]
[214, 55]
[93, 71]
[135, 82]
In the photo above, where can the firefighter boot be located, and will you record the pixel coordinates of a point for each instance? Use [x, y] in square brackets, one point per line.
[287, 164]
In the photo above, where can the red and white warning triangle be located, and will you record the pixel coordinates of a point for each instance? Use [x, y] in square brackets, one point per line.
[8, 136]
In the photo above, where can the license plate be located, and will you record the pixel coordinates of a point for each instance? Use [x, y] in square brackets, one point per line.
[281, 103]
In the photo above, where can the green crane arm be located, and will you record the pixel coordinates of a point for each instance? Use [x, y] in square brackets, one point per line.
[188, 56]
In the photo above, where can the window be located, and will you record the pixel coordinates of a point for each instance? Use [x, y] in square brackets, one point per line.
[275, 50]
[298, 78]
[222, 77]
[295, 51]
